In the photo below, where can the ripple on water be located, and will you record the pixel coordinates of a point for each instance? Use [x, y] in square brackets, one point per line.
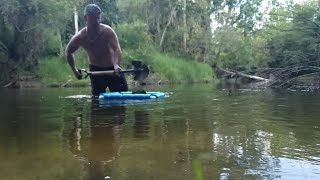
[296, 170]
[78, 97]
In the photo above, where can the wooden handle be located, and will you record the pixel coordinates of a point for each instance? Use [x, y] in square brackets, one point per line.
[101, 72]
[111, 72]
[140, 71]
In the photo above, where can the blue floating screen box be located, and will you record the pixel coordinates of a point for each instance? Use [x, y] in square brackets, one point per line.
[130, 95]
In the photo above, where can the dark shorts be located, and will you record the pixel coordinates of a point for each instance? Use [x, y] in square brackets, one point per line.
[99, 83]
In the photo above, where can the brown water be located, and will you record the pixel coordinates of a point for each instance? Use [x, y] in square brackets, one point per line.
[200, 131]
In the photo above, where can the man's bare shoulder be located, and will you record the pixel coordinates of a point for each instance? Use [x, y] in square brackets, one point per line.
[77, 40]
[80, 35]
[106, 29]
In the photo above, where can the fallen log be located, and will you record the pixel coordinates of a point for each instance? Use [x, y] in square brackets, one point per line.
[287, 77]
[10, 84]
[240, 74]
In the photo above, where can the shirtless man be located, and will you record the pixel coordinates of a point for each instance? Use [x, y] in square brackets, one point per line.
[103, 49]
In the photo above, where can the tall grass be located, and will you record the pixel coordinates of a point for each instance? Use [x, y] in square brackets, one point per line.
[180, 70]
[55, 71]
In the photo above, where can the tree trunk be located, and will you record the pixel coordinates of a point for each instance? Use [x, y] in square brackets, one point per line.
[158, 16]
[76, 26]
[184, 25]
[166, 27]
[61, 48]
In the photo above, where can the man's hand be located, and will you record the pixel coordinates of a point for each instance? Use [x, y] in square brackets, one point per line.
[77, 74]
[117, 70]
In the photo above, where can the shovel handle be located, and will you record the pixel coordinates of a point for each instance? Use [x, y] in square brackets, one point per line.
[140, 71]
[111, 72]
[86, 73]
[101, 72]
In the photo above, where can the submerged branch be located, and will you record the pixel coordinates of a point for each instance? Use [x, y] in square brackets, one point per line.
[281, 77]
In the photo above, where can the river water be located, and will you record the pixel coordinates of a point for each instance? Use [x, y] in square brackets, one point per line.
[199, 132]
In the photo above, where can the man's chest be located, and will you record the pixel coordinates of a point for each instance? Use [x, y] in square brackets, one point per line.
[97, 45]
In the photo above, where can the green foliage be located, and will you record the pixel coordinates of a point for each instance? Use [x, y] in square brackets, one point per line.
[52, 44]
[24, 28]
[33, 29]
[172, 42]
[233, 50]
[135, 42]
[110, 11]
[179, 70]
[260, 54]
[164, 20]
[134, 35]
[243, 14]
[199, 45]
[295, 41]
[56, 71]
[132, 10]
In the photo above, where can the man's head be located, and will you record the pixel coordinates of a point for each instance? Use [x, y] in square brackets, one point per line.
[92, 14]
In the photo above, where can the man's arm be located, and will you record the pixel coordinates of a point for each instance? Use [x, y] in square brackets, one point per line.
[72, 47]
[114, 42]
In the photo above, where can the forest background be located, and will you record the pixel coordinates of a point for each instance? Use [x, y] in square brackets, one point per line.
[180, 40]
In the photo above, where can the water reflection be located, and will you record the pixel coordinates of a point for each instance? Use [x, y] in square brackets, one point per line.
[141, 123]
[248, 135]
[97, 139]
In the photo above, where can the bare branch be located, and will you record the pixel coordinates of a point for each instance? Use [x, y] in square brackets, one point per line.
[25, 30]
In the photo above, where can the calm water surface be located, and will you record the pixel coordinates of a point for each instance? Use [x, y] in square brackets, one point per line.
[199, 131]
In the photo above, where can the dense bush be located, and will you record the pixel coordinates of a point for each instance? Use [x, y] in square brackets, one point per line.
[134, 40]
